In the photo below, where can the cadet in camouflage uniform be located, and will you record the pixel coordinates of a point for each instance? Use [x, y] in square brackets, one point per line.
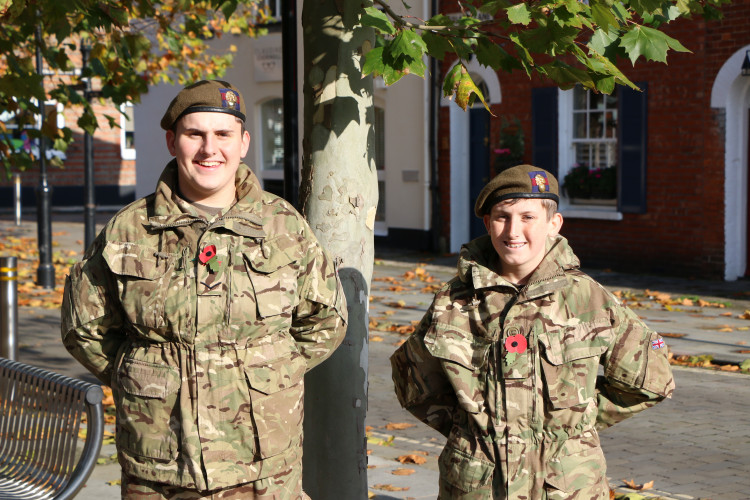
[203, 305]
[504, 363]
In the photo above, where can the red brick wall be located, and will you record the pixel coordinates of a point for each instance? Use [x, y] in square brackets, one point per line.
[683, 228]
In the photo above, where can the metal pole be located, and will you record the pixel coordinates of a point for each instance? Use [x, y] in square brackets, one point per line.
[8, 308]
[89, 206]
[291, 105]
[17, 197]
[45, 273]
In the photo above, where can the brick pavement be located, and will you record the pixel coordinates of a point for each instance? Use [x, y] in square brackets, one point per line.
[695, 446]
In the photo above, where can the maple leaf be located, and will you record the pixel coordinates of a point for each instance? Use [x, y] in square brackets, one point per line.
[639, 487]
[402, 472]
[411, 458]
[398, 426]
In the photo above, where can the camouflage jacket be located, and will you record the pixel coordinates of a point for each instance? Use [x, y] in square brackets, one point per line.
[206, 367]
[509, 376]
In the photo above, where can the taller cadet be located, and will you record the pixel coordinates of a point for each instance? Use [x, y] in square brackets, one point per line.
[203, 305]
[504, 363]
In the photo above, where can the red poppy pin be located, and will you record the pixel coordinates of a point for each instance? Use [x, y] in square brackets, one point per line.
[515, 345]
[208, 258]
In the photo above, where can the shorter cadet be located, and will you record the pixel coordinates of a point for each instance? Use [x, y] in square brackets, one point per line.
[504, 363]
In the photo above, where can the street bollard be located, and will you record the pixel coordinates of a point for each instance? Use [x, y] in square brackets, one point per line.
[8, 308]
[17, 197]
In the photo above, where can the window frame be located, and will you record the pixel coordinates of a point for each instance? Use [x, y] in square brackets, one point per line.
[127, 153]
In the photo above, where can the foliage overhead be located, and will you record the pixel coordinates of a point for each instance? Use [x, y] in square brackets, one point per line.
[567, 41]
[133, 44]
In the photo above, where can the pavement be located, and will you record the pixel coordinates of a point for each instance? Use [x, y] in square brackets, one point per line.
[694, 446]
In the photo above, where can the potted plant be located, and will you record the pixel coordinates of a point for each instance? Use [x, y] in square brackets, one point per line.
[591, 185]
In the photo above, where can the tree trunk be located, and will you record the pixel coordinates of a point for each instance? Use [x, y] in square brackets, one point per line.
[338, 196]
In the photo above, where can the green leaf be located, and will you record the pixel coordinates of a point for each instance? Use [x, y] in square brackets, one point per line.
[437, 45]
[489, 54]
[408, 44]
[377, 19]
[645, 6]
[745, 365]
[647, 42]
[458, 82]
[373, 62]
[493, 6]
[603, 15]
[675, 44]
[519, 14]
[565, 75]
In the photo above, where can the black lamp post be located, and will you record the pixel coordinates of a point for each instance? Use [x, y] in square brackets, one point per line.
[289, 89]
[45, 273]
[746, 64]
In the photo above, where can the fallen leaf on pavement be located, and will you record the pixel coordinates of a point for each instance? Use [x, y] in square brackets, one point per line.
[411, 459]
[369, 428]
[726, 328]
[376, 338]
[673, 335]
[631, 484]
[399, 343]
[730, 368]
[403, 472]
[745, 315]
[390, 487]
[399, 426]
[728, 313]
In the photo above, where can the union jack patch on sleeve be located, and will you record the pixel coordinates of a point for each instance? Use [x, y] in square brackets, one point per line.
[657, 344]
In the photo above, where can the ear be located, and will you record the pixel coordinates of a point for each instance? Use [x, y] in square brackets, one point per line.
[556, 223]
[170, 143]
[245, 143]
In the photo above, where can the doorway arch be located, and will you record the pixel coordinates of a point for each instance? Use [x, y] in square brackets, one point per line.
[461, 209]
[731, 93]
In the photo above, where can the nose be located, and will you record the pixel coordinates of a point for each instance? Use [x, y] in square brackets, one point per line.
[209, 145]
[511, 227]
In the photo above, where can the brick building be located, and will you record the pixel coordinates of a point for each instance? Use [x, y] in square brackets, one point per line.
[679, 150]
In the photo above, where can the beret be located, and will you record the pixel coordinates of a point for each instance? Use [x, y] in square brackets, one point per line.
[207, 95]
[521, 181]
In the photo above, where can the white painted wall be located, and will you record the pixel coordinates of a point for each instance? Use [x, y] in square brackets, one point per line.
[406, 128]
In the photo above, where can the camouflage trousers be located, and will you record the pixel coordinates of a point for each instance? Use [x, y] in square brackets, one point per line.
[495, 490]
[286, 485]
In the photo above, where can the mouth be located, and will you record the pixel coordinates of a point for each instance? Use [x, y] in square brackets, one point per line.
[208, 164]
[514, 244]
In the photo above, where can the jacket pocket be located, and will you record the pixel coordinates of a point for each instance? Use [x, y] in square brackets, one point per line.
[272, 268]
[147, 410]
[463, 356]
[142, 279]
[276, 392]
[464, 471]
[578, 468]
[570, 361]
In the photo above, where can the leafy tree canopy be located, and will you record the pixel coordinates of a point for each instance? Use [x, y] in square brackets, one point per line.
[133, 44]
[567, 41]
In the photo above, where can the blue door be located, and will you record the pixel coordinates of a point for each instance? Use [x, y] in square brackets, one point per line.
[479, 163]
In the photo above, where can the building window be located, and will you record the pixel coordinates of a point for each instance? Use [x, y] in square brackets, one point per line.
[271, 142]
[589, 147]
[127, 131]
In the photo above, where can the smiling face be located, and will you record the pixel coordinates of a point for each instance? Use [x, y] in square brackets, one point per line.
[519, 230]
[208, 147]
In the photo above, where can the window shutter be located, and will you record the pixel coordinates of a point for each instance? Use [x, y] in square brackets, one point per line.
[544, 128]
[633, 135]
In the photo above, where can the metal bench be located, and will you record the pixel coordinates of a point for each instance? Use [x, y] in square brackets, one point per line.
[40, 419]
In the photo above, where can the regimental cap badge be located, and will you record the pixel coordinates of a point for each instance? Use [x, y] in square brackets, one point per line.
[539, 181]
[230, 99]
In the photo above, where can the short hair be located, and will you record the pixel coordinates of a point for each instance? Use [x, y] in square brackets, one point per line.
[173, 128]
[550, 206]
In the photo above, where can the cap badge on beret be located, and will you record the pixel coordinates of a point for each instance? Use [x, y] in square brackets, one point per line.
[230, 99]
[539, 181]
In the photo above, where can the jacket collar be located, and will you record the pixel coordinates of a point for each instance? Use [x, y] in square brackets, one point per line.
[478, 261]
[244, 217]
